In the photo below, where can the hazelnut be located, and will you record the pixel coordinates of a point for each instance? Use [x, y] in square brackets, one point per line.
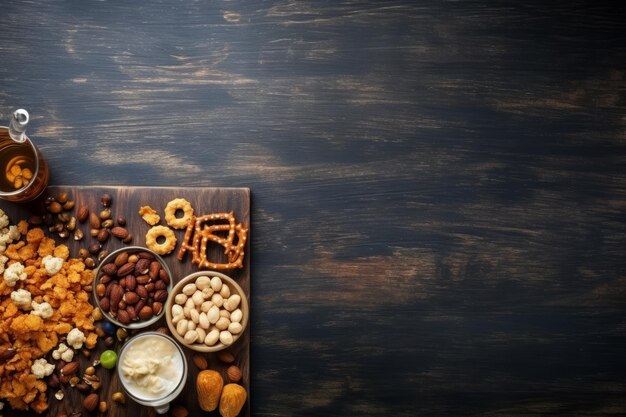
[119, 397]
[94, 248]
[234, 373]
[106, 200]
[55, 207]
[105, 214]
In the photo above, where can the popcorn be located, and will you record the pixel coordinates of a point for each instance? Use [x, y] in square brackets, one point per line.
[7, 236]
[52, 264]
[76, 338]
[41, 368]
[3, 262]
[4, 219]
[21, 298]
[14, 273]
[63, 352]
[43, 310]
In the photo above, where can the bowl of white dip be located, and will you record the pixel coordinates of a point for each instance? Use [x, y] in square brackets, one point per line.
[152, 369]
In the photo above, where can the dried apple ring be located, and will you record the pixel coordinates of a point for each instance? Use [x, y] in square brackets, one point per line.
[170, 213]
[161, 248]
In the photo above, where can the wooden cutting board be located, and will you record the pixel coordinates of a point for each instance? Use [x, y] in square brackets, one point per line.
[126, 202]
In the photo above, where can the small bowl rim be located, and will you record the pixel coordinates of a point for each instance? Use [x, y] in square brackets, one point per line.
[107, 259]
[177, 290]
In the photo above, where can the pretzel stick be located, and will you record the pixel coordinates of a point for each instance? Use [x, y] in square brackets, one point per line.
[235, 253]
[238, 251]
[198, 233]
[184, 247]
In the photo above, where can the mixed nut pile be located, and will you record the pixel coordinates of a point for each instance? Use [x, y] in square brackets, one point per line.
[132, 287]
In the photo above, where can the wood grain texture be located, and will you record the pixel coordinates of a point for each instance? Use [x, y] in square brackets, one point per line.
[438, 186]
[126, 202]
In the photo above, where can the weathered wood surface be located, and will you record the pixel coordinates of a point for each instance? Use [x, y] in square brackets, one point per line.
[126, 202]
[438, 187]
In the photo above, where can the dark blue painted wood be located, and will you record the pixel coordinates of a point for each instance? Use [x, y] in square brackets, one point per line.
[438, 187]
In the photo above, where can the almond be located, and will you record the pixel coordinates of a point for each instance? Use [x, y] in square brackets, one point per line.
[82, 214]
[119, 232]
[163, 276]
[145, 255]
[225, 356]
[123, 317]
[7, 354]
[126, 269]
[155, 267]
[105, 304]
[94, 248]
[200, 361]
[94, 220]
[142, 292]
[91, 402]
[143, 279]
[117, 292]
[132, 313]
[142, 266]
[54, 381]
[139, 305]
[179, 411]
[121, 259]
[234, 373]
[131, 282]
[103, 235]
[109, 269]
[160, 296]
[70, 368]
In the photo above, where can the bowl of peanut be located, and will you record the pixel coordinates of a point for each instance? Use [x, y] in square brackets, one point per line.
[131, 287]
[207, 311]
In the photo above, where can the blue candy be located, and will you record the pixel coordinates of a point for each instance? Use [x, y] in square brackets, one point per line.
[109, 328]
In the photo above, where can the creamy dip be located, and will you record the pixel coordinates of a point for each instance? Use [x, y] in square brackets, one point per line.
[151, 367]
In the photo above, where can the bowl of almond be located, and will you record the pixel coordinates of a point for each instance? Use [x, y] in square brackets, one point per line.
[207, 311]
[132, 286]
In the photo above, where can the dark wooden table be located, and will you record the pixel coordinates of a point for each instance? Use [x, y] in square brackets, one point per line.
[438, 188]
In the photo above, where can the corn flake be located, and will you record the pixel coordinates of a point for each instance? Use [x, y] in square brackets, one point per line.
[30, 335]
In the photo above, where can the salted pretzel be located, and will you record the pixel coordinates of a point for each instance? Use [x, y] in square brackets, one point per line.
[198, 234]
